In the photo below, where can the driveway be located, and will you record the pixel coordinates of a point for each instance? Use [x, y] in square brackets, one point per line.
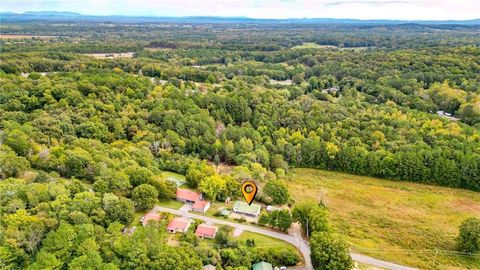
[295, 239]
[186, 207]
[237, 232]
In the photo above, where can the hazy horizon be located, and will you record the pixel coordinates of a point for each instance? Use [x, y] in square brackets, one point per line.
[261, 9]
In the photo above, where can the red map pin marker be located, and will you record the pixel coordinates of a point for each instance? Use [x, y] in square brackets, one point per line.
[249, 190]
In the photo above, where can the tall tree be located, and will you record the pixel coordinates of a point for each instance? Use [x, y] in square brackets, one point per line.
[144, 196]
[329, 252]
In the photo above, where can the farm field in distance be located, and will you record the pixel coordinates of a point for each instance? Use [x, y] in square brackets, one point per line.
[386, 219]
[311, 45]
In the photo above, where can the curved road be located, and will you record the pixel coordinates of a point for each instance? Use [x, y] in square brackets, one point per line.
[295, 239]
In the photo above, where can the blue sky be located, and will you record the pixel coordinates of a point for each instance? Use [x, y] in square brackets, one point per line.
[357, 9]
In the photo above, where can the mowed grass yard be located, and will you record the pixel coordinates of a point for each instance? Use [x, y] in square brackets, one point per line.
[262, 240]
[397, 221]
[173, 176]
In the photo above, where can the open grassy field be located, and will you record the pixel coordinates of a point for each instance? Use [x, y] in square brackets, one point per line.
[312, 45]
[110, 55]
[175, 177]
[403, 222]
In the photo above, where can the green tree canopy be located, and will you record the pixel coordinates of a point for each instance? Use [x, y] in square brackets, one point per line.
[329, 252]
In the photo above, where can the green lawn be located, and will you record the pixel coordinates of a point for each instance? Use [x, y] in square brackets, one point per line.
[136, 218]
[215, 207]
[206, 243]
[174, 175]
[266, 242]
[262, 240]
[170, 204]
[396, 221]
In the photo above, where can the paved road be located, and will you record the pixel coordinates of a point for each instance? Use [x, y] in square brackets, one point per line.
[378, 263]
[295, 239]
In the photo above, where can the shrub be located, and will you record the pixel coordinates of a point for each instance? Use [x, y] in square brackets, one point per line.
[468, 239]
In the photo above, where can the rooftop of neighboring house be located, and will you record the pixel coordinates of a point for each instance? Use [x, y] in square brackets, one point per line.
[150, 216]
[188, 195]
[200, 204]
[178, 223]
[206, 230]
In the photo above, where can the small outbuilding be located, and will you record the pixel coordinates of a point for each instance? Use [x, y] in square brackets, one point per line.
[272, 208]
[224, 212]
[262, 266]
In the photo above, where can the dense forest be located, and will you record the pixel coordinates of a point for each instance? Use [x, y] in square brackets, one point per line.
[83, 137]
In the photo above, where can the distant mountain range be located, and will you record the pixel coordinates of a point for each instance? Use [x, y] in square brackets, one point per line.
[72, 16]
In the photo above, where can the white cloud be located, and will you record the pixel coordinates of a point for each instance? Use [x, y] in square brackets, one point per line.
[361, 9]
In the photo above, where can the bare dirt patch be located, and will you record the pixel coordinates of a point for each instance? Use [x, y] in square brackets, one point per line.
[465, 205]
